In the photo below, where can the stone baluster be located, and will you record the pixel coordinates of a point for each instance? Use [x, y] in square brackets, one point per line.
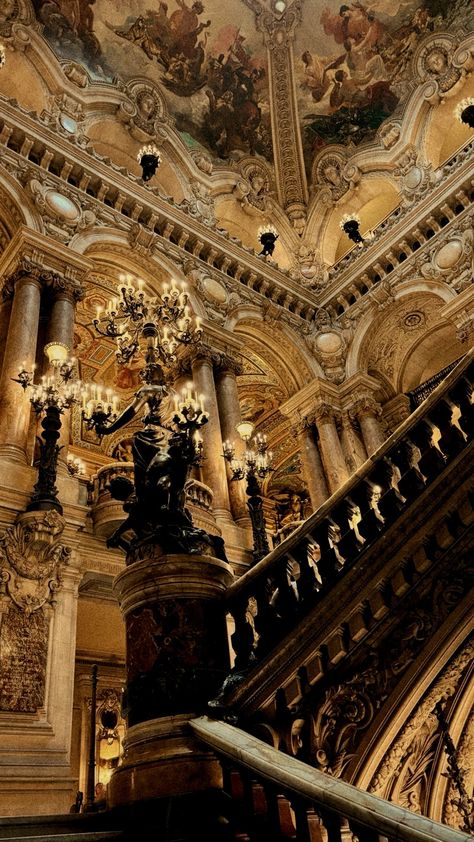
[313, 471]
[368, 412]
[20, 347]
[229, 416]
[331, 450]
[214, 469]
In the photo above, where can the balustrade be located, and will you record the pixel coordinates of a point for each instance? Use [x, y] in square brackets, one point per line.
[273, 797]
[108, 513]
[287, 584]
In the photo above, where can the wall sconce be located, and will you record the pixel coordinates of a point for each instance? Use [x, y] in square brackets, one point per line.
[464, 112]
[149, 159]
[350, 225]
[268, 235]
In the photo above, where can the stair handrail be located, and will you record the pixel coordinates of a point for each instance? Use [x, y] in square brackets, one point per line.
[326, 792]
[263, 566]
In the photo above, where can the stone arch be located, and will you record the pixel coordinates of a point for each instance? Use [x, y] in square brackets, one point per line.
[383, 328]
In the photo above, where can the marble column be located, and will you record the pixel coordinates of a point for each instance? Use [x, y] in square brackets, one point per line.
[368, 411]
[331, 449]
[352, 446]
[6, 299]
[229, 416]
[20, 348]
[61, 329]
[214, 469]
[313, 471]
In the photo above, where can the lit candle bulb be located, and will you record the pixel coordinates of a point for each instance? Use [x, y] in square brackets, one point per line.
[140, 285]
[99, 311]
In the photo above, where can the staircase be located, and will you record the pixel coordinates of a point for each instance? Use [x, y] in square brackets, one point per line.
[302, 616]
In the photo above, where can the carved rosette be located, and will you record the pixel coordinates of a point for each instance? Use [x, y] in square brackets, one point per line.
[32, 558]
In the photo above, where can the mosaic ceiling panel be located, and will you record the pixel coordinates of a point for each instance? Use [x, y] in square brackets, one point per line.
[209, 63]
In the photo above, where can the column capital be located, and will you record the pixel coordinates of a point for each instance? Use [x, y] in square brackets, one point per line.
[366, 405]
[63, 285]
[51, 263]
[303, 425]
[324, 413]
[227, 364]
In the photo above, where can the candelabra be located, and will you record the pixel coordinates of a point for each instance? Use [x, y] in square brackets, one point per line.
[56, 392]
[255, 465]
[268, 235]
[75, 466]
[154, 326]
[350, 225]
[149, 159]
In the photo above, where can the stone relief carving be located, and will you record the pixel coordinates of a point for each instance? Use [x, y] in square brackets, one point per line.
[144, 111]
[201, 204]
[414, 175]
[218, 298]
[422, 720]
[436, 65]
[452, 258]
[308, 269]
[465, 754]
[31, 557]
[334, 175]
[62, 215]
[329, 342]
[253, 188]
[337, 718]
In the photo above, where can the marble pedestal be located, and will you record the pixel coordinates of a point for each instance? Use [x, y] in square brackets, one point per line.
[177, 659]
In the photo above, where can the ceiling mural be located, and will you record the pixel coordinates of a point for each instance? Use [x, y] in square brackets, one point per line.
[353, 63]
[212, 71]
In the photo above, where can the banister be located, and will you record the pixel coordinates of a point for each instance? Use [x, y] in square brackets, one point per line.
[263, 567]
[293, 776]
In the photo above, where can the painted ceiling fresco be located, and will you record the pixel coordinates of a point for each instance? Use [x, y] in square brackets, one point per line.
[353, 63]
[210, 64]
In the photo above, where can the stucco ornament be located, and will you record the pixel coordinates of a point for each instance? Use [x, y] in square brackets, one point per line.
[31, 558]
[441, 65]
[329, 342]
[61, 212]
[218, 299]
[415, 176]
[143, 111]
[201, 204]
[452, 259]
[308, 269]
[333, 175]
[252, 189]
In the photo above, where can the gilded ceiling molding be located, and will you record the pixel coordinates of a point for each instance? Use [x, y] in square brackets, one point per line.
[287, 146]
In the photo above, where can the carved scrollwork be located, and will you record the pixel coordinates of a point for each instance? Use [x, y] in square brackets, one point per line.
[31, 558]
[253, 188]
[334, 175]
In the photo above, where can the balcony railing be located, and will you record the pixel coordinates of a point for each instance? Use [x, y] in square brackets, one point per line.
[270, 599]
[107, 513]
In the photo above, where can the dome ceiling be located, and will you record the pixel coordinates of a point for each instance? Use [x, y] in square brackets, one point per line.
[352, 63]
